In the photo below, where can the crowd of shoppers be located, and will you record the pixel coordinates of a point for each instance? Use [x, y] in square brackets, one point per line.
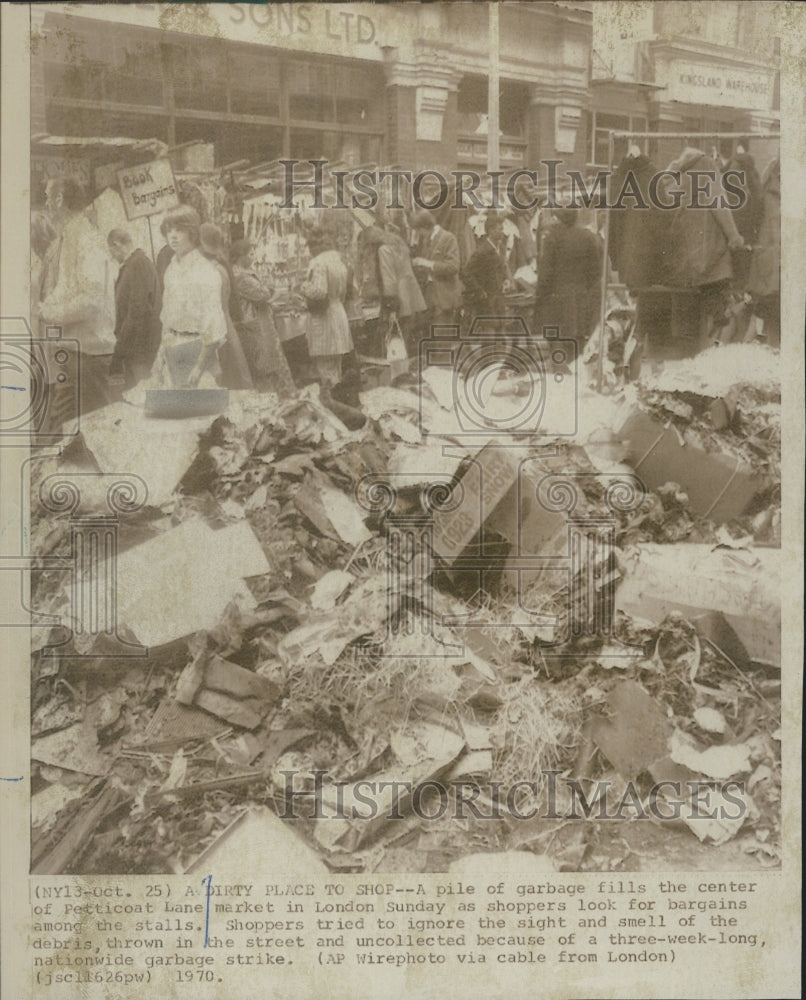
[202, 315]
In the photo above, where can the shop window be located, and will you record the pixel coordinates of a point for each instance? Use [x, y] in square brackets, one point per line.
[472, 104]
[94, 122]
[233, 141]
[344, 95]
[512, 107]
[73, 63]
[202, 87]
[200, 74]
[99, 63]
[254, 84]
[356, 89]
[337, 147]
[310, 92]
[134, 75]
[601, 122]
[352, 111]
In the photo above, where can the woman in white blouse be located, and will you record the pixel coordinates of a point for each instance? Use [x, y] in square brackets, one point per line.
[193, 322]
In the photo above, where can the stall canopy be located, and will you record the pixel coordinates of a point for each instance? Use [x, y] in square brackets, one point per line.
[43, 143]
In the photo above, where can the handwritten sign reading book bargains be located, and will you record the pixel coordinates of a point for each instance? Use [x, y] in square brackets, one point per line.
[148, 189]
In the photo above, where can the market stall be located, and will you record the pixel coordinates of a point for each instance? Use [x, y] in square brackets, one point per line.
[675, 315]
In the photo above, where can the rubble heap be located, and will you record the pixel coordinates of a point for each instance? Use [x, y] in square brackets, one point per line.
[266, 638]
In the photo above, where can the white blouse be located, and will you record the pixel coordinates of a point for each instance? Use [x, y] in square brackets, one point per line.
[191, 299]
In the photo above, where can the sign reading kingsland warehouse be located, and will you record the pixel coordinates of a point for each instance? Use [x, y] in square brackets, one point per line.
[718, 85]
[148, 189]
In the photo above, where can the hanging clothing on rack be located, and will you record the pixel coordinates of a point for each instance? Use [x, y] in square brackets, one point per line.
[747, 215]
[764, 281]
[696, 248]
[635, 230]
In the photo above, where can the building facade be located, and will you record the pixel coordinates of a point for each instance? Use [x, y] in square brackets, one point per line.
[402, 84]
[681, 66]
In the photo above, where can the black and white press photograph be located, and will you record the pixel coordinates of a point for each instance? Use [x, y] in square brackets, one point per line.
[403, 400]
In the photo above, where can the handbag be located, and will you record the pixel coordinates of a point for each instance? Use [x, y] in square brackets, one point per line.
[181, 359]
[314, 291]
[316, 306]
[395, 345]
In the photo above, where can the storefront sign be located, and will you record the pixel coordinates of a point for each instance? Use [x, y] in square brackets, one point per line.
[349, 29]
[718, 85]
[566, 126]
[50, 167]
[510, 155]
[307, 19]
[148, 189]
[431, 104]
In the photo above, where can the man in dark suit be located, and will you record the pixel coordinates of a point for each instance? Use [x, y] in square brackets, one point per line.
[485, 276]
[569, 279]
[138, 331]
[437, 268]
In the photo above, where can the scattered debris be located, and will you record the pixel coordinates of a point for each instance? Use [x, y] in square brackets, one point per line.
[635, 734]
[742, 585]
[709, 720]
[245, 844]
[283, 636]
[192, 574]
[721, 762]
[74, 748]
[719, 370]
[121, 438]
[721, 819]
[226, 690]
[718, 486]
[329, 588]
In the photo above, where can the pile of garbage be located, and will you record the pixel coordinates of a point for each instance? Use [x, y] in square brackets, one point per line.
[282, 650]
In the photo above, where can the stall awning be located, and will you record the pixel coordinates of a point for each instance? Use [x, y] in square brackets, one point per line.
[43, 143]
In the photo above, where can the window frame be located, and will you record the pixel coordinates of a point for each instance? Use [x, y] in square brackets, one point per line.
[636, 122]
[357, 71]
